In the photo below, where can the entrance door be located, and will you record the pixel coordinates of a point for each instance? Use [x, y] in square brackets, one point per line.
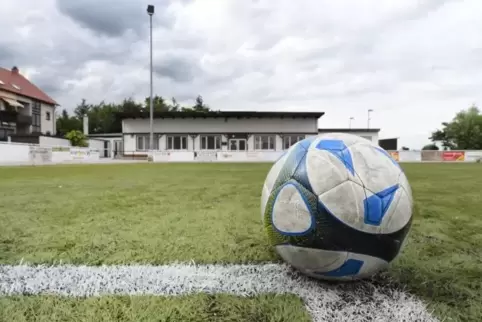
[237, 144]
[118, 148]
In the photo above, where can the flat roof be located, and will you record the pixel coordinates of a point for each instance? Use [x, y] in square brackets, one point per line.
[104, 135]
[216, 114]
[348, 130]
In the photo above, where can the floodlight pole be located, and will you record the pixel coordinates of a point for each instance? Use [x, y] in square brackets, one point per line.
[150, 12]
[351, 119]
[368, 119]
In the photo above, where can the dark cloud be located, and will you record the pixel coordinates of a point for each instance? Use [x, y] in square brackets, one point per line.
[112, 18]
[6, 56]
[179, 69]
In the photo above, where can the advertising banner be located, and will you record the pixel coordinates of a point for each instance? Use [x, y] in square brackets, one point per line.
[453, 155]
[410, 156]
[473, 156]
[395, 155]
[205, 156]
[79, 153]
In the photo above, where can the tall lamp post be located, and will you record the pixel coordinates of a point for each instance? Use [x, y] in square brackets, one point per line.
[150, 12]
[351, 119]
[368, 118]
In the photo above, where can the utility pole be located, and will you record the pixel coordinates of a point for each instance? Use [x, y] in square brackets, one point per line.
[368, 118]
[150, 12]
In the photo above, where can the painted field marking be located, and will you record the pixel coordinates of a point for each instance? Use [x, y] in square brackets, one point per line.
[336, 303]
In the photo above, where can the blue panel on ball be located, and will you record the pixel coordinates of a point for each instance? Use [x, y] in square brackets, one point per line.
[340, 150]
[293, 159]
[307, 142]
[301, 174]
[387, 155]
[349, 268]
[376, 206]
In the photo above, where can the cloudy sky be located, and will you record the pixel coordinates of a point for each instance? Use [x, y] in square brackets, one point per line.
[414, 62]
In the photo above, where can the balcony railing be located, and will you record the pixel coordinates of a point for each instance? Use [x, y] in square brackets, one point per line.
[24, 119]
[8, 116]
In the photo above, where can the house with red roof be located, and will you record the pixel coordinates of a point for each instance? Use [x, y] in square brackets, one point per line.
[24, 108]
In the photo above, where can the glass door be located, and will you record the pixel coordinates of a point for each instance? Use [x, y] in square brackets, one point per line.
[237, 144]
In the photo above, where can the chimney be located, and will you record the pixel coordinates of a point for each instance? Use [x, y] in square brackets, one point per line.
[86, 125]
[15, 70]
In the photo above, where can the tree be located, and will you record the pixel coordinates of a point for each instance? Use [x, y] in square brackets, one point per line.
[200, 106]
[158, 103]
[431, 146]
[82, 109]
[66, 123]
[76, 138]
[464, 132]
[102, 116]
[175, 107]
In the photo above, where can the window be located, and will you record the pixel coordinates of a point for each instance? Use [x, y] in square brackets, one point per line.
[264, 142]
[142, 142]
[237, 145]
[36, 117]
[211, 142]
[289, 140]
[177, 142]
[47, 116]
[5, 133]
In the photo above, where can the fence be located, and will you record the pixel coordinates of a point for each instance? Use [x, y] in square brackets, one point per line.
[18, 153]
[437, 156]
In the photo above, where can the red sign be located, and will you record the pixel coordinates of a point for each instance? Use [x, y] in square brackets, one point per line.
[453, 155]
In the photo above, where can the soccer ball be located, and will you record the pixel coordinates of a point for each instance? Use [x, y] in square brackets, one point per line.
[336, 206]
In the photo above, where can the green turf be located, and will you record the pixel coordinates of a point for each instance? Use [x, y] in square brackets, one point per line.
[159, 213]
[193, 308]
[132, 213]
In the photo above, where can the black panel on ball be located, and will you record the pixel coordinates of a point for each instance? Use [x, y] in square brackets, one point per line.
[332, 234]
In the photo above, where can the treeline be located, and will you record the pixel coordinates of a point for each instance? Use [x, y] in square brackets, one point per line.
[464, 132]
[102, 116]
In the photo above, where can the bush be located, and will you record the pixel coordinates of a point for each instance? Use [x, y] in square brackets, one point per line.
[77, 138]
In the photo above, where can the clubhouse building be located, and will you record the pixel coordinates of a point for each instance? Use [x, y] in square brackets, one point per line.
[228, 132]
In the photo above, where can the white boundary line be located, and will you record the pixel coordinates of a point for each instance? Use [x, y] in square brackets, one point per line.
[343, 302]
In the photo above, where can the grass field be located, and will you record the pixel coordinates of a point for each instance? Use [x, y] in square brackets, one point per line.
[200, 307]
[209, 213]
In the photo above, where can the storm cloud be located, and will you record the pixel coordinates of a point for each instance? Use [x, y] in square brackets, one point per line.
[416, 63]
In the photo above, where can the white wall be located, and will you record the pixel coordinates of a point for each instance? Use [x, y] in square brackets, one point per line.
[47, 125]
[129, 143]
[223, 125]
[97, 145]
[14, 153]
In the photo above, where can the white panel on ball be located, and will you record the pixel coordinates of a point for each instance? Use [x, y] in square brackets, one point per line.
[403, 182]
[346, 203]
[398, 214]
[311, 259]
[325, 171]
[291, 214]
[270, 181]
[328, 264]
[377, 173]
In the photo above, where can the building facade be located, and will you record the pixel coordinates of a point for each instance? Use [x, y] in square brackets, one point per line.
[217, 131]
[24, 108]
[369, 134]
